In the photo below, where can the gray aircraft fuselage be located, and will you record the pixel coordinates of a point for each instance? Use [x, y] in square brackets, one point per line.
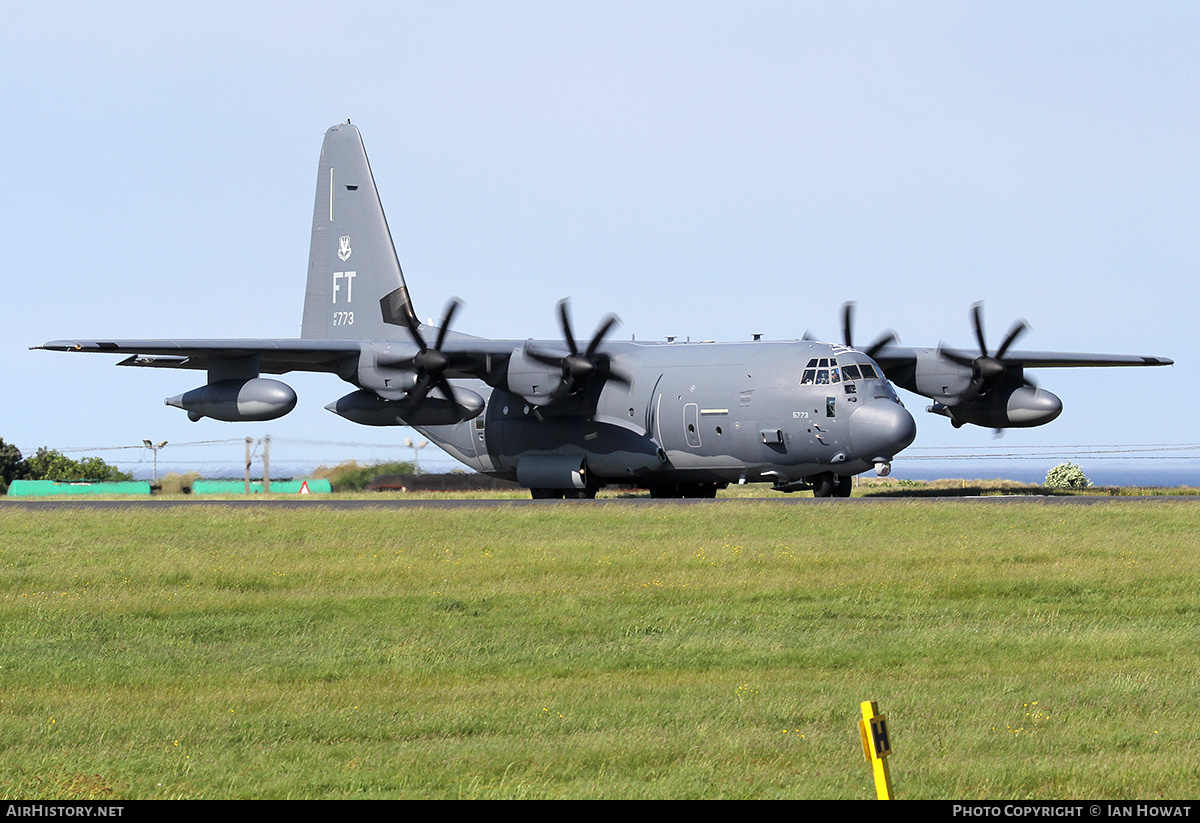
[698, 415]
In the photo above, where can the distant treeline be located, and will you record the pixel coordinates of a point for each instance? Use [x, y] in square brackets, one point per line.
[48, 464]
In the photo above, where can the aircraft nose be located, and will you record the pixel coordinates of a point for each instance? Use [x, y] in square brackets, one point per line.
[880, 429]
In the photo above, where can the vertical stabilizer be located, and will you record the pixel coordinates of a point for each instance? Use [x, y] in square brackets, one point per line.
[355, 287]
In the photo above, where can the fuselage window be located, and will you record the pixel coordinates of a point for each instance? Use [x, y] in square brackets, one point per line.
[868, 372]
[851, 372]
[822, 377]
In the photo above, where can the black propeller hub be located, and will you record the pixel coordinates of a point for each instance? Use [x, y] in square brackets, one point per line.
[580, 366]
[988, 368]
[431, 360]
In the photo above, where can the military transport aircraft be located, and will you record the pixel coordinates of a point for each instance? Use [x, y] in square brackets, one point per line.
[566, 417]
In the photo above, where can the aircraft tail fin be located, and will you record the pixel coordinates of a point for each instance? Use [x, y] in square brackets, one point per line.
[356, 289]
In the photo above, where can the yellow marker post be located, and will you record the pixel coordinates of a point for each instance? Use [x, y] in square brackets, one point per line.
[876, 747]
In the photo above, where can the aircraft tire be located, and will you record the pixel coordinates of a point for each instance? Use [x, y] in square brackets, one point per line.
[844, 485]
[698, 490]
[546, 494]
[824, 485]
[685, 490]
[663, 490]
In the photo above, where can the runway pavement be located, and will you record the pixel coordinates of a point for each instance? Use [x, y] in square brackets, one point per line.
[427, 502]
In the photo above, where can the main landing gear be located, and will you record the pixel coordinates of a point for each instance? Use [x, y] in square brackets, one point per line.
[691, 490]
[657, 490]
[562, 494]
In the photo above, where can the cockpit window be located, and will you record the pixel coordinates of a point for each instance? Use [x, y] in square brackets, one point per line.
[825, 370]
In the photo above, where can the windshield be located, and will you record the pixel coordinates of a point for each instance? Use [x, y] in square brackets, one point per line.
[824, 371]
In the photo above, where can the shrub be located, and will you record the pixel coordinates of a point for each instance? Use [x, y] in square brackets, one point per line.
[1067, 476]
[353, 476]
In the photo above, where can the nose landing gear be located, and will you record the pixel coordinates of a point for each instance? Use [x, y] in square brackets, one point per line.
[832, 485]
[826, 484]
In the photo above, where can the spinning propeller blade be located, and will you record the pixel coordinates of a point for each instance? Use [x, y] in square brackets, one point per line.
[986, 369]
[431, 363]
[877, 345]
[579, 367]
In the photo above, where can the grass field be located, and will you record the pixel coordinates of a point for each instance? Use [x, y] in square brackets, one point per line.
[1021, 651]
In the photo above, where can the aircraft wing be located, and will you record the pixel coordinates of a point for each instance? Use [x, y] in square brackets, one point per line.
[469, 356]
[900, 357]
[1051, 360]
[274, 356]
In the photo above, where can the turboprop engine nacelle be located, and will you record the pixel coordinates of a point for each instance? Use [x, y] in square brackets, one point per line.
[532, 379]
[1021, 408]
[252, 399]
[369, 409]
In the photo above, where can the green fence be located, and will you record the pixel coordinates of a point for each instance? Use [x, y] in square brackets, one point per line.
[52, 488]
[277, 487]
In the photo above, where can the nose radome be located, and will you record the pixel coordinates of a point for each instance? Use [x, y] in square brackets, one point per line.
[881, 429]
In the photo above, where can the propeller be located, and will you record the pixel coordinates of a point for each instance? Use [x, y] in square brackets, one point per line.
[986, 369]
[430, 363]
[877, 345]
[579, 366]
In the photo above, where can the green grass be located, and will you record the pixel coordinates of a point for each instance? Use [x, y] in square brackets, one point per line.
[1019, 651]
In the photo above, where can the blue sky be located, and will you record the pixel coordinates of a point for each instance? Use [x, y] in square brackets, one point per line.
[702, 169]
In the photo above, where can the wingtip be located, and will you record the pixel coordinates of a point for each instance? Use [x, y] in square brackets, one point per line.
[75, 345]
